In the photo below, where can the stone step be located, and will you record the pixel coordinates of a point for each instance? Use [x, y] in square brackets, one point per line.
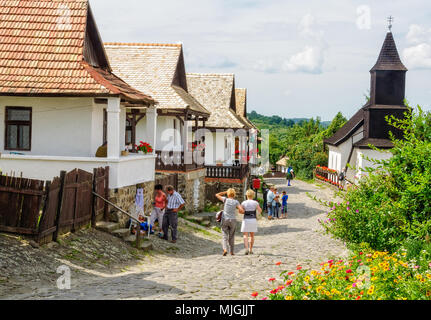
[121, 233]
[108, 227]
[146, 246]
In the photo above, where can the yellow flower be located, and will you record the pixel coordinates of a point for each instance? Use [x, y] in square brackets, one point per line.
[419, 277]
[289, 298]
[428, 276]
[371, 290]
[320, 288]
[307, 279]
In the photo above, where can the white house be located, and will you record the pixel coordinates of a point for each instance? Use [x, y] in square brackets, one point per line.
[351, 144]
[228, 135]
[159, 70]
[60, 101]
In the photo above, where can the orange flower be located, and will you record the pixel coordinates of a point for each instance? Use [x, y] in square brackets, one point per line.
[278, 264]
[254, 294]
[289, 282]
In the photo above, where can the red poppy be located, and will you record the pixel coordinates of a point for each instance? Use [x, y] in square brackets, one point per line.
[254, 294]
[271, 279]
[289, 282]
[278, 264]
[298, 268]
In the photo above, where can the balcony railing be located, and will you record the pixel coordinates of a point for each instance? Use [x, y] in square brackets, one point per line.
[175, 161]
[328, 175]
[231, 172]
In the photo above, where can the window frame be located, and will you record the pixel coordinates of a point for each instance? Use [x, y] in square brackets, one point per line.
[28, 123]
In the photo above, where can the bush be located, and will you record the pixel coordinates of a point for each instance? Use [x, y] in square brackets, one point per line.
[393, 203]
[367, 275]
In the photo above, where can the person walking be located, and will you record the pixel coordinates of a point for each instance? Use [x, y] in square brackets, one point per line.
[229, 221]
[284, 200]
[160, 201]
[249, 224]
[265, 197]
[170, 219]
[290, 176]
[270, 202]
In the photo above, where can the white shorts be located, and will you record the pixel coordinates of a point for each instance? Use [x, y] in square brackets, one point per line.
[249, 225]
[157, 214]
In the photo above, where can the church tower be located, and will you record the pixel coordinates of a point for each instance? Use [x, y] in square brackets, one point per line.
[388, 87]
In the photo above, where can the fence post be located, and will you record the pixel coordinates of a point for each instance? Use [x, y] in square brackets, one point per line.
[106, 209]
[94, 200]
[60, 202]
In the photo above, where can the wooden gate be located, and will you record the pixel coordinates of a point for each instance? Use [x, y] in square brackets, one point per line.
[77, 200]
[101, 187]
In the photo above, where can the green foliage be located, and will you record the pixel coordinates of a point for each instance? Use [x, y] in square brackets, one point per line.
[299, 139]
[393, 203]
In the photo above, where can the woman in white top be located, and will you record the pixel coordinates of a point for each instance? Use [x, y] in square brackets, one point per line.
[249, 224]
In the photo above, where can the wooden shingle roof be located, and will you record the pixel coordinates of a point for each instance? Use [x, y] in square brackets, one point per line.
[389, 58]
[157, 69]
[52, 47]
[241, 106]
[217, 93]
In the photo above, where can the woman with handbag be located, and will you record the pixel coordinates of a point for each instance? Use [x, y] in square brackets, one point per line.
[249, 224]
[229, 221]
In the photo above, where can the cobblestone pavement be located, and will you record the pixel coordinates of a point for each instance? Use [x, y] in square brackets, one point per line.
[195, 269]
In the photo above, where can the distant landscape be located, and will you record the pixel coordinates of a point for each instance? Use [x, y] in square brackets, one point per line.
[299, 139]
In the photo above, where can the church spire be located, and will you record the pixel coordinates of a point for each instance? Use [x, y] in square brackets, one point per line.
[389, 58]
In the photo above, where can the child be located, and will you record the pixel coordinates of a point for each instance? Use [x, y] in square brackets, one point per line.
[277, 204]
[284, 205]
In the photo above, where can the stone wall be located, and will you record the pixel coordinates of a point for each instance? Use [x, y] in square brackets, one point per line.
[191, 186]
[125, 199]
[213, 186]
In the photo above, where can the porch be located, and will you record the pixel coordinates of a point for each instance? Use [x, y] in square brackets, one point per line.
[228, 172]
[124, 171]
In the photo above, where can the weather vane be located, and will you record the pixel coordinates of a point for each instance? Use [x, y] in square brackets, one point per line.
[390, 20]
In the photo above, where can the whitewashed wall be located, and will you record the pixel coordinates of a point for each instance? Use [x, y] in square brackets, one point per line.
[166, 135]
[339, 156]
[363, 154]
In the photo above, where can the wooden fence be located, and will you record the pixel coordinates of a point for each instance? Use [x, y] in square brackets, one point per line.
[329, 176]
[231, 172]
[44, 210]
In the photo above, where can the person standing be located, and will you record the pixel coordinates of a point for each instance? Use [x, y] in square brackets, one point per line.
[229, 221]
[160, 201]
[290, 175]
[170, 218]
[265, 191]
[249, 224]
[270, 202]
[284, 200]
[276, 205]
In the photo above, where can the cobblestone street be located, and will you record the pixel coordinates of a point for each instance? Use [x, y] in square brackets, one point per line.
[195, 269]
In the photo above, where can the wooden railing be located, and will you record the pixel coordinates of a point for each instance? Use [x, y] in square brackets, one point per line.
[328, 175]
[231, 172]
[175, 161]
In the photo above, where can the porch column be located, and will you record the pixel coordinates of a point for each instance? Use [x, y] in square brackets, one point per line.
[113, 134]
[151, 123]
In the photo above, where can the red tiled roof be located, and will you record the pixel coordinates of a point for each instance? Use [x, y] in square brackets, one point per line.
[42, 52]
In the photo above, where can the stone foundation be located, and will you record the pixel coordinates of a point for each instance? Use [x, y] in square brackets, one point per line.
[125, 199]
[191, 186]
[213, 186]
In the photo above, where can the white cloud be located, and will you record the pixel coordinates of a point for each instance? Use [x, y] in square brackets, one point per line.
[418, 57]
[310, 60]
[418, 34]
[265, 65]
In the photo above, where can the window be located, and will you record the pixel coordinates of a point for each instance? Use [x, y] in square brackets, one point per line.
[18, 128]
[128, 132]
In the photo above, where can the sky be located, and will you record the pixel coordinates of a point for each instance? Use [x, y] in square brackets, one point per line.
[308, 58]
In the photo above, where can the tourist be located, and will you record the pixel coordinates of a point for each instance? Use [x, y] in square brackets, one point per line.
[170, 219]
[290, 175]
[160, 201]
[229, 220]
[249, 224]
[265, 191]
[270, 202]
[284, 200]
